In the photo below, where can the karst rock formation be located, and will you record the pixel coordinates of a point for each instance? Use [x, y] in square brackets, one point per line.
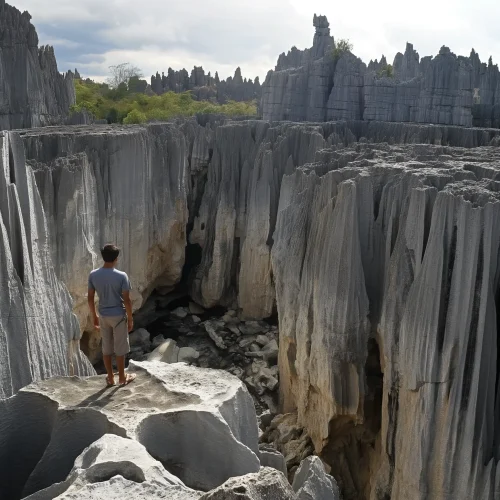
[32, 91]
[375, 242]
[205, 86]
[320, 84]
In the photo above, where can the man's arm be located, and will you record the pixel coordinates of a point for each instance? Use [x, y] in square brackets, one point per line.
[91, 301]
[128, 308]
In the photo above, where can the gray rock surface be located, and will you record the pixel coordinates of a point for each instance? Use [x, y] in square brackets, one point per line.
[369, 225]
[39, 334]
[110, 457]
[270, 457]
[318, 85]
[311, 482]
[166, 352]
[207, 87]
[267, 484]
[200, 424]
[130, 186]
[32, 91]
[410, 262]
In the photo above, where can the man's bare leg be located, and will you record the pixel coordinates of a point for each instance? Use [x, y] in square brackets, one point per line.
[120, 364]
[108, 363]
[124, 378]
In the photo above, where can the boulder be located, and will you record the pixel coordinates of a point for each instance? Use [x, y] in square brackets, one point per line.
[267, 484]
[167, 352]
[158, 341]
[311, 482]
[200, 424]
[140, 338]
[250, 328]
[270, 457]
[211, 328]
[262, 340]
[180, 312]
[108, 457]
[188, 354]
[119, 488]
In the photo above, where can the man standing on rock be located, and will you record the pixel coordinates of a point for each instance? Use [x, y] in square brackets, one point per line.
[115, 311]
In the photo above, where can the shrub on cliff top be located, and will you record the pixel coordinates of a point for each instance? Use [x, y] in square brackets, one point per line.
[342, 45]
[134, 116]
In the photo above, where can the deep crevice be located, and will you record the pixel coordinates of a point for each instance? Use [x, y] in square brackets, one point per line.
[352, 447]
[448, 265]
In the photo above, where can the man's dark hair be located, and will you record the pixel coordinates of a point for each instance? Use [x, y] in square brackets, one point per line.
[110, 253]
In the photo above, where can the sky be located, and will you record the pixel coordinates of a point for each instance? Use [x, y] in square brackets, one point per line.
[220, 35]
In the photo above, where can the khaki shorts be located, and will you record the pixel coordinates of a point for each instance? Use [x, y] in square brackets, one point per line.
[114, 333]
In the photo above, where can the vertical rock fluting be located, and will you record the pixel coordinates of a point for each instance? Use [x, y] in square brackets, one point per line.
[321, 84]
[126, 185]
[407, 252]
[238, 211]
[377, 257]
[32, 91]
[39, 334]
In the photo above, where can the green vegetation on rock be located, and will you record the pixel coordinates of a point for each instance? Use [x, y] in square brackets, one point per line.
[342, 46]
[124, 104]
[387, 72]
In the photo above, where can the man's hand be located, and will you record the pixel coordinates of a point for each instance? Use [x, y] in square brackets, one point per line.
[128, 308]
[96, 323]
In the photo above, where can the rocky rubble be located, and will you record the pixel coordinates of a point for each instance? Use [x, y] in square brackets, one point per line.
[246, 349]
[317, 85]
[32, 91]
[176, 432]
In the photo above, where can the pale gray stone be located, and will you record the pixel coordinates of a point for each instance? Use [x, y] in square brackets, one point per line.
[39, 334]
[188, 354]
[262, 340]
[311, 482]
[158, 341]
[180, 312]
[211, 329]
[270, 457]
[200, 424]
[167, 352]
[267, 484]
[108, 457]
[141, 338]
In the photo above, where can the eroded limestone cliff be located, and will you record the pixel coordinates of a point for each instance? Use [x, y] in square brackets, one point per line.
[32, 91]
[319, 84]
[375, 242]
[39, 334]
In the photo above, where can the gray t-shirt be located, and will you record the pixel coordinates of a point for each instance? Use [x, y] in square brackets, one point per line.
[109, 283]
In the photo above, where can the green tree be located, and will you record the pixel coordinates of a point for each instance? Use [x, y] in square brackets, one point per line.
[387, 72]
[135, 116]
[341, 47]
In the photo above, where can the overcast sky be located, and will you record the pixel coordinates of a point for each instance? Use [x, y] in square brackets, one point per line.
[220, 35]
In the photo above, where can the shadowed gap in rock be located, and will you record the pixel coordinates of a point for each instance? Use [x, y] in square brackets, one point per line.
[353, 450]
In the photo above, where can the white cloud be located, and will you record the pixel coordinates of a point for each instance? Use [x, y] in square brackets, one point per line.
[223, 34]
